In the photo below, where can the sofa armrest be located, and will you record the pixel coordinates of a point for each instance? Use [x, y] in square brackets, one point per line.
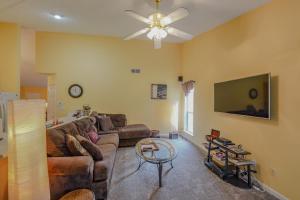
[69, 173]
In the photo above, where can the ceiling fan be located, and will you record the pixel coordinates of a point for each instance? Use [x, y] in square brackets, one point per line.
[158, 25]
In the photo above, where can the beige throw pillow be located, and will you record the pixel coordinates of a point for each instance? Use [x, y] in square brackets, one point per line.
[56, 144]
[106, 123]
[75, 147]
[93, 149]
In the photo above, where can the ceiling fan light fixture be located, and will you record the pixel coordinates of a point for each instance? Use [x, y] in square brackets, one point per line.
[157, 33]
[158, 25]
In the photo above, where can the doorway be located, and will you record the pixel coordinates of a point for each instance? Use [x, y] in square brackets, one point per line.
[33, 85]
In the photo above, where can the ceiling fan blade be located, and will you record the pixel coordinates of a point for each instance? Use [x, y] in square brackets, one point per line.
[138, 17]
[5, 6]
[157, 43]
[136, 34]
[174, 16]
[179, 33]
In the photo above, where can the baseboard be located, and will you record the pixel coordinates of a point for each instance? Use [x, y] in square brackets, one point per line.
[267, 188]
[185, 137]
[271, 191]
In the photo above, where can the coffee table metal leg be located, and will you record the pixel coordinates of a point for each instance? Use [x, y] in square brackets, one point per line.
[139, 160]
[160, 167]
[140, 163]
[249, 176]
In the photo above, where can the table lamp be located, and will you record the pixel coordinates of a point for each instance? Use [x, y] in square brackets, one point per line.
[27, 159]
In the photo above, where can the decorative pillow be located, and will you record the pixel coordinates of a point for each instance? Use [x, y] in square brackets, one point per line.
[93, 119]
[69, 128]
[97, 118]
[93, 136]
[98, 123]
[75, 147]
[93, 127]
[118, 120]
[56, 143]
[93, 149]
[84, 125]
[106, 123]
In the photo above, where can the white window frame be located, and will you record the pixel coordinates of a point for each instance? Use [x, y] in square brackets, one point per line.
[189, 98]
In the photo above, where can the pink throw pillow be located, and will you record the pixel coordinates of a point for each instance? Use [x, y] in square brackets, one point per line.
[94, 137]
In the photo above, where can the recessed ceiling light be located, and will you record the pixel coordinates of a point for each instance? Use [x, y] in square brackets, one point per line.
[57, 16]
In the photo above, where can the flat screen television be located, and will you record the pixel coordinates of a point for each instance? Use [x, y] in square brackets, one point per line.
[246, 96]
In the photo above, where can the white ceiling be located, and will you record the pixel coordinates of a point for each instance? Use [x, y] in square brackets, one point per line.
[107, 17]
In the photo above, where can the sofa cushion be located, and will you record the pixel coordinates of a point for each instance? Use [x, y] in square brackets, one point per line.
[103, 169]
[93, 149]
[106, 123]
[75, 147]
[134, 131]
[56, 143]
[109, 139]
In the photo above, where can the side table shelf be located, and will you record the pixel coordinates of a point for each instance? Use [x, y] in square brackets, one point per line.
[227, 161]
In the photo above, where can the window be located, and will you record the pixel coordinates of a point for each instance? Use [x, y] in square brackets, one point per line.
[189, 112]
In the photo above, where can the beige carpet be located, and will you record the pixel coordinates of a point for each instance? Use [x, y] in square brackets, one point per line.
[188, 180]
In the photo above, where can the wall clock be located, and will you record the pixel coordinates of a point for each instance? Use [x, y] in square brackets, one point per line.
[75, 91]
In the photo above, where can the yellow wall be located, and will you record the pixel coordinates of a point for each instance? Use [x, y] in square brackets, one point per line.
[262, 41]
[27, 92]
[10, 57]
[101, 65]
[9, 78]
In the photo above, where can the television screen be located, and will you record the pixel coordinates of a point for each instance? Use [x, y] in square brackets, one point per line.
[247, 96]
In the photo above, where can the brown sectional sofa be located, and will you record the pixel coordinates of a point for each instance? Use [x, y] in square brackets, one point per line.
[68, 173]
[129, 135]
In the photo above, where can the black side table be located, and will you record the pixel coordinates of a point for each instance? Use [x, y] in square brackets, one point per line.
[173, 135]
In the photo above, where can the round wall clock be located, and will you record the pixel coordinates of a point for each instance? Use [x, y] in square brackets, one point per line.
[253, 93]
[75, 91]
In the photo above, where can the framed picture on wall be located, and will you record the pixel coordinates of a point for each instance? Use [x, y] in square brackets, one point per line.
[159, 91]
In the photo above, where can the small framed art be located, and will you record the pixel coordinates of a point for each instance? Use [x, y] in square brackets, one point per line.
[159, 91]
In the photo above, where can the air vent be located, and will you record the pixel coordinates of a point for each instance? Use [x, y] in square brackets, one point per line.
[135, 71]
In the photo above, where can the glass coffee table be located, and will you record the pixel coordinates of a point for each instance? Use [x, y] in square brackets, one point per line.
[161, 152]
